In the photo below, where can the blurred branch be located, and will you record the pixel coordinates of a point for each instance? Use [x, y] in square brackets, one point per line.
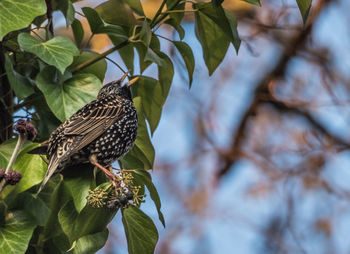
[262, 90]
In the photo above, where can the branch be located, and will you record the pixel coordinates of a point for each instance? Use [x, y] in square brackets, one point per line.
[262, 89]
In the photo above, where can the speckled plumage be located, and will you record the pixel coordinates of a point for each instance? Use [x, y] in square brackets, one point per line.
[106, 128]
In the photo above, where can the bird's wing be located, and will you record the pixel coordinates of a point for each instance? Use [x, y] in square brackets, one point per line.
[91, 121]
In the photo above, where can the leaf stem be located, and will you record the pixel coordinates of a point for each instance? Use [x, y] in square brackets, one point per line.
[164, 15]
[99, 57]
[158, 13]
[22, 137]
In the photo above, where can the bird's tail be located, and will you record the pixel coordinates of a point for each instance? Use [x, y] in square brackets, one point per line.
[54, 162]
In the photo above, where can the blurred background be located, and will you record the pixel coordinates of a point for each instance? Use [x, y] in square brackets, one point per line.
[255, 158]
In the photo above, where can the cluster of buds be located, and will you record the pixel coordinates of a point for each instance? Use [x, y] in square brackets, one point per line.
[12, 177]
[25, 127]
[118, 193]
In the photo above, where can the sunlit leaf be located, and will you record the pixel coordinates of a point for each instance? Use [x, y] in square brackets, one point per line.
[140, 231]
[58, 51]
[17, 14]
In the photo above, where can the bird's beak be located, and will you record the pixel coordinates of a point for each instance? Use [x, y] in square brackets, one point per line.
[131, 82]
[124, 76]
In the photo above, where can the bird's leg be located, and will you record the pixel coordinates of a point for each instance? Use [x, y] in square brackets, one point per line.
[93, 161]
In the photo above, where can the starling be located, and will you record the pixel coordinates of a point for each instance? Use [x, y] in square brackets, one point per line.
[101, 132]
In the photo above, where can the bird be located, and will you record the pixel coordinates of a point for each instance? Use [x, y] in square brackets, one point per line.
[100, 132]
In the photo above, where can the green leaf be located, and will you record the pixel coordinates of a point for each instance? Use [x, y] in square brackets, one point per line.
[165, 74]
[98, 26]
[176, 16]
[58, 51]
[224, 19]
[78, 31]
[233, 25]
[31, 166]
[140, 231]
[255, 2]
[91, 243]
[217, 3]
[20, 84]
[150, 91]
[142, 154]
[136, 6]
[107, 11]
[18, 14]
[67, 217]
[142, 50]
[34, 207]
[98, 69]
[90, 220]
[66, 97]
[304, 7]
[16, 233]
[177, 27]
[214, 42]
[145, 34]
[154, 57]
[78, 182]
[67, 8]
[147, 180]
[187, 56]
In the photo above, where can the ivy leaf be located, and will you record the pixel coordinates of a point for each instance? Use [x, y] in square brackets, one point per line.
[140, 231]
[91, 243]
[58, 51]
[66, 97]
[187, 56]
[17, 14]
[304, 7]
[20, 84]
[150, 91]
[98, 69]
[16, 233]
[31, 166]
[147, 180]
[214, 42]
[78, 180]
[34, 207]
[255, 2]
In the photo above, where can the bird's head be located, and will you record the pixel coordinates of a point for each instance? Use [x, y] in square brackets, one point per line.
[117, 88]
